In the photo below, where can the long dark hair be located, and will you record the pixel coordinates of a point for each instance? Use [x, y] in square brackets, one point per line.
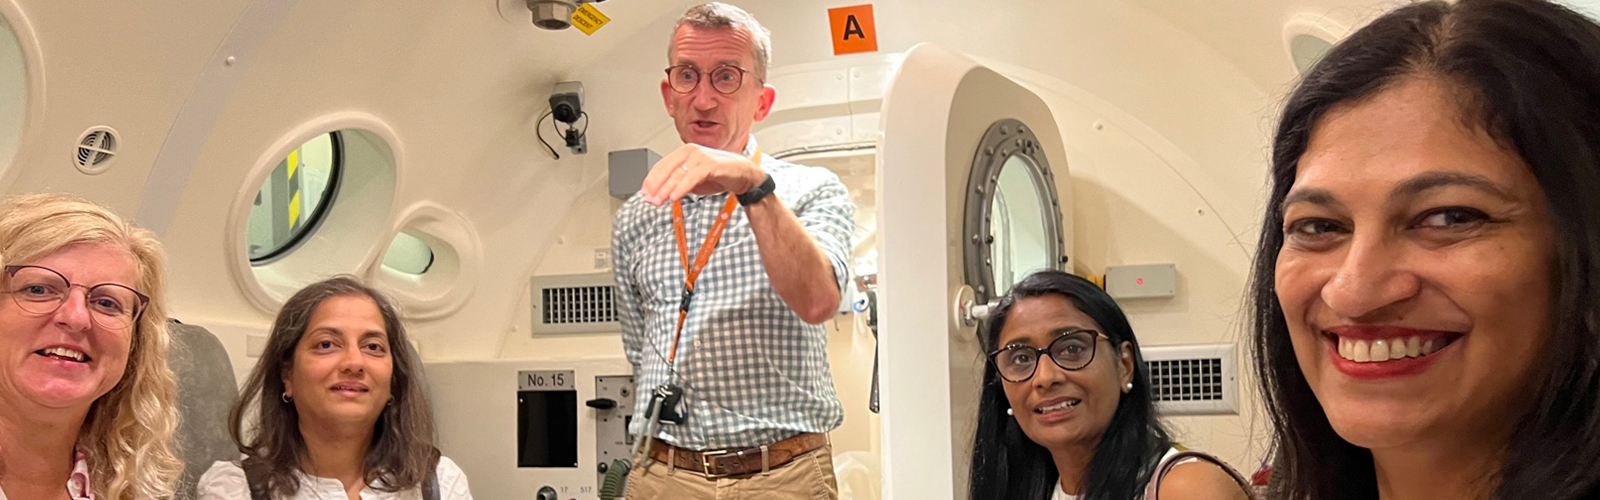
[1007, 465]
[1528, 73]
[402, 452]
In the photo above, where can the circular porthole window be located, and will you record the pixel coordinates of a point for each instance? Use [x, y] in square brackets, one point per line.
[1018, 227]
[1013, 215]
[294, 199]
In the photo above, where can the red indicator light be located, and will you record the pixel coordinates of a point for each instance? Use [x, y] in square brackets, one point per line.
[1140, 281]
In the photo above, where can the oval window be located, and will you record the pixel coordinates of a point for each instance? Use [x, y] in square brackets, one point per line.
[1306, 50]
[295, 198]
[1013, 215]
[408, 254]
[1017, 225]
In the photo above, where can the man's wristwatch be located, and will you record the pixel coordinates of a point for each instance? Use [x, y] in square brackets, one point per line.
[755, 194]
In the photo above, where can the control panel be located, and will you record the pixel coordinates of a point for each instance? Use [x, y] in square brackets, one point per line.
[613, 412]
[533, 429]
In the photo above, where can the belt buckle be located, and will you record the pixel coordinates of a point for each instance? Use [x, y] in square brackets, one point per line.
[705, 463]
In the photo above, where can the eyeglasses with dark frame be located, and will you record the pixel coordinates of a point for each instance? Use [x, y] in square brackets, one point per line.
[725, 78]
[1072, 350]
[41, 290]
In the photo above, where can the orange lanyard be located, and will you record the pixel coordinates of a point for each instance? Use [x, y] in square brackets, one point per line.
[692, 272]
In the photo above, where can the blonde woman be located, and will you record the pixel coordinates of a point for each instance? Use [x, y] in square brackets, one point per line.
[87, 403]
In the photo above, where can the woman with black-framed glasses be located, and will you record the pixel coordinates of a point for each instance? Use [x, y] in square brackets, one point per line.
[1065, 411]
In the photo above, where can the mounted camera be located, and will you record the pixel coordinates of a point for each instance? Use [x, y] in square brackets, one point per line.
[566, 102]
[566, 106]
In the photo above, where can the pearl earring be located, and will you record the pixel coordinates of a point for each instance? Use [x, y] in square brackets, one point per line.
[1128, 387]
[1008, 412]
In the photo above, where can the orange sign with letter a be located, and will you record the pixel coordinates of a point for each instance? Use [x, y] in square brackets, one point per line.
[853, 30]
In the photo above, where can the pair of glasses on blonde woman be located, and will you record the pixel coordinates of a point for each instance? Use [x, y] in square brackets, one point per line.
[41, 290]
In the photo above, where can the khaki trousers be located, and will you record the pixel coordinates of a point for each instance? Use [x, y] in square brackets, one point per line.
[807, 477]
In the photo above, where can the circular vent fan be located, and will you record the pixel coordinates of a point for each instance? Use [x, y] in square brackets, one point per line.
[96, 148]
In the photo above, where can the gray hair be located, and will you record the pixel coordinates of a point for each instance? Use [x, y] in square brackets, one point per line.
[718, 15]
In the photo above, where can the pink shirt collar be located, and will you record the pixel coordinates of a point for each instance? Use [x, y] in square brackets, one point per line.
[80, 485]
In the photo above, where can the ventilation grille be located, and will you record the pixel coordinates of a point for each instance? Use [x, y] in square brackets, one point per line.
[96, 149]
[1193, 380]
[581, 303]
[1187, 379]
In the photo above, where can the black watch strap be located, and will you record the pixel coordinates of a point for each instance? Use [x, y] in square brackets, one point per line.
[757, 193]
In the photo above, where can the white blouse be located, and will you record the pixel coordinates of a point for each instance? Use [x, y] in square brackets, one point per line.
[225, 481]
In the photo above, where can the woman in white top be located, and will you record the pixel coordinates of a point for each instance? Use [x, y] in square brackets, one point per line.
[87, 403]
[1080, 425]
[341, 413]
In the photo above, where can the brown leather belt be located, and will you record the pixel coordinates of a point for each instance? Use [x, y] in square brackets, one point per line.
[721, 463]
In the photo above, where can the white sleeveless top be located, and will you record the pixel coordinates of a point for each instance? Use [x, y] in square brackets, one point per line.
[1062, 494]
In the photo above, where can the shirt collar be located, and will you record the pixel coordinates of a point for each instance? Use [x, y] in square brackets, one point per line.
[80, 485]
[750, 146]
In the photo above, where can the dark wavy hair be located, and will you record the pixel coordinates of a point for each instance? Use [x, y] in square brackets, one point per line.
[1007, 465]
[1528, 73]
[403, 450]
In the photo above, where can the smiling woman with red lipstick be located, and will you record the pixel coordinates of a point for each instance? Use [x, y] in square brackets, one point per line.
[1426, 323]
[342, 414]
[87, 403]
[1065, 412]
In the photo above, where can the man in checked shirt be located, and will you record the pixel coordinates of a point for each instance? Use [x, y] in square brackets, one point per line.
[752, 356]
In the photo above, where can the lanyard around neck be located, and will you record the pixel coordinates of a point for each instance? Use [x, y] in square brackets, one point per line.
[692, 270]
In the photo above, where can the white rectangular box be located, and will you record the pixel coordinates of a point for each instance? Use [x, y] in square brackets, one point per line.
[1144, 281]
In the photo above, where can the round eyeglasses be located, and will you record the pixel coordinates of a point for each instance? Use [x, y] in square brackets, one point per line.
[41, 290]
[726, 78]
[1071, 351]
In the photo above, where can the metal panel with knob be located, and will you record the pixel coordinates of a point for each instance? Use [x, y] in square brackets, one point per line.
[613, 411]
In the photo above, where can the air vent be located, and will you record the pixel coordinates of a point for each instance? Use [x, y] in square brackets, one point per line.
[96, 148]
[1193, 379]
[579, 303]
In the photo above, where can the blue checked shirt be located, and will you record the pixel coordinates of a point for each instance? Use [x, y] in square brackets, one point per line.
[753, 372]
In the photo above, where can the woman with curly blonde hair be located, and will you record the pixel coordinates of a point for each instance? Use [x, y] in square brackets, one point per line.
[87, 403]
